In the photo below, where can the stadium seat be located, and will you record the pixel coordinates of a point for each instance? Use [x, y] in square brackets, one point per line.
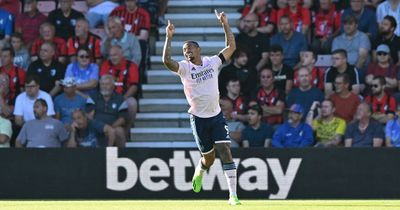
[46, 7]
[80, 6]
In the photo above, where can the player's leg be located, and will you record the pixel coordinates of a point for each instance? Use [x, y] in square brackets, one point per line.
[200, 127]
[222, 145]
[229, 168]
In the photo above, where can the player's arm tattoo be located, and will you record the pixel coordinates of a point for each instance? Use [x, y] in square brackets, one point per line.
[229, 42]
[167, 60]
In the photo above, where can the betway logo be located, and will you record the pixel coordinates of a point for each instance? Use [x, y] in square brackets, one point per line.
[178, 163]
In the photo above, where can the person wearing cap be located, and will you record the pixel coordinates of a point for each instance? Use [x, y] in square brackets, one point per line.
[64, 19]
[364, 131]
[383, 67]
[27, 23]
[257, 133]
[328, 128]
[388, 37]
[68, 101]
[366, 17]
[294, 133]
[355, 42]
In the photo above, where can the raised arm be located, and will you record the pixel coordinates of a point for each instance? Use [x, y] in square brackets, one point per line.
[167, 60]
[229, 38]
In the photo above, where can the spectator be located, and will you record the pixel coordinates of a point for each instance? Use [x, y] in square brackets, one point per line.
[305, 94]
[383, 68]
[383, 105]
[127, 41]
[389, 38]
[235, 127]
[328, 128]
[281, 4]
[291, 41]
[365, 131]
[266, 15]
[355, 42]
[67, 102]
[64, 19]
[109, 107]
[5, 132]
[83, 38]
[237, 100]
[22, 56]
[366, 18]
[86, 74]
[392, 8]
[98, 11]
[392, 130]
[346, 102]
[11, 6]
[43, 131]
[340, 66]
[307, 60]
[300, 17]
[15, 74]
[327, 26]
[23, 110]
[283, 74]
[270, 99]
[89, 133]
[237, 69]
[257, 133]
[48, 69]
[126, 77]
[47, 32]
[6, 103]
[256, 42]
[294, 133]
[6, 27]
[27, 23]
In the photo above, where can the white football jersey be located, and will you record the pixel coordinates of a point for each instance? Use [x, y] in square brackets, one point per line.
[200, 85]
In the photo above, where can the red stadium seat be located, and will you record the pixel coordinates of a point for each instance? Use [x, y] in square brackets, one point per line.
[46, 7]
[80, 6]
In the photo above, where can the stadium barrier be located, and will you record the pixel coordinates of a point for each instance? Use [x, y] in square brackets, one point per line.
[166, 173]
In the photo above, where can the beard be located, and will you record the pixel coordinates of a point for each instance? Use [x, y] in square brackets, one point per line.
[105, 92]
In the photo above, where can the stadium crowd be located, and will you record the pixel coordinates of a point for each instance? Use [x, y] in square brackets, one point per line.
[62, 85]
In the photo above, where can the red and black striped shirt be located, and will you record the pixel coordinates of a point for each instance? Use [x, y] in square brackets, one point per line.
[133, 21]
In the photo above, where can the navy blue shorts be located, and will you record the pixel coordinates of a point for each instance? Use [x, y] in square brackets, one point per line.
[209, 131]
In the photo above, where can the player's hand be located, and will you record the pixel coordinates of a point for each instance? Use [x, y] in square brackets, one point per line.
[170, 29]
[221, 17]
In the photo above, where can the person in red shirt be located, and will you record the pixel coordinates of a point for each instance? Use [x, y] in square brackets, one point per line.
[238, 101]
[83, 38]
[6, 105]
[265, 13]
[126, 77]
[271, 100]
[12, 6]
[15, 74]
[383, 105]
[136, 20]
[307, 60]
[47, 34]
[28, 22]
[327, 26]
[301, 17]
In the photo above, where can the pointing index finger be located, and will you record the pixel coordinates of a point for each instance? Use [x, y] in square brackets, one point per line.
[216, 12]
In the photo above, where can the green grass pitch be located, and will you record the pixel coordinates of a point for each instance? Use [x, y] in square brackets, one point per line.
[202, 204]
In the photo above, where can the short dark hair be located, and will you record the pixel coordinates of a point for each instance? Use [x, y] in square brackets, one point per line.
[345, 77]
[10, 50]
[276, 48]
[330, 101]
[31, 78]
[285, 17]
[17, 35]
[343, 52]
[257, 108]
[42, 102]
[392, 21]
[85, 48]
[238, 52]
[192, 42]
[381, 79]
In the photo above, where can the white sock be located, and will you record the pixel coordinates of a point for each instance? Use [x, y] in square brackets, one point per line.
[230, 176]
[200, 169]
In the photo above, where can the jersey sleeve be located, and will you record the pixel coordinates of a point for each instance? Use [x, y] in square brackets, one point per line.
[95, 72]
[18, 108]
[22, 136]
[341, 128]
[6, 129]
[183, 68]
[71, 50]
[133, 74]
